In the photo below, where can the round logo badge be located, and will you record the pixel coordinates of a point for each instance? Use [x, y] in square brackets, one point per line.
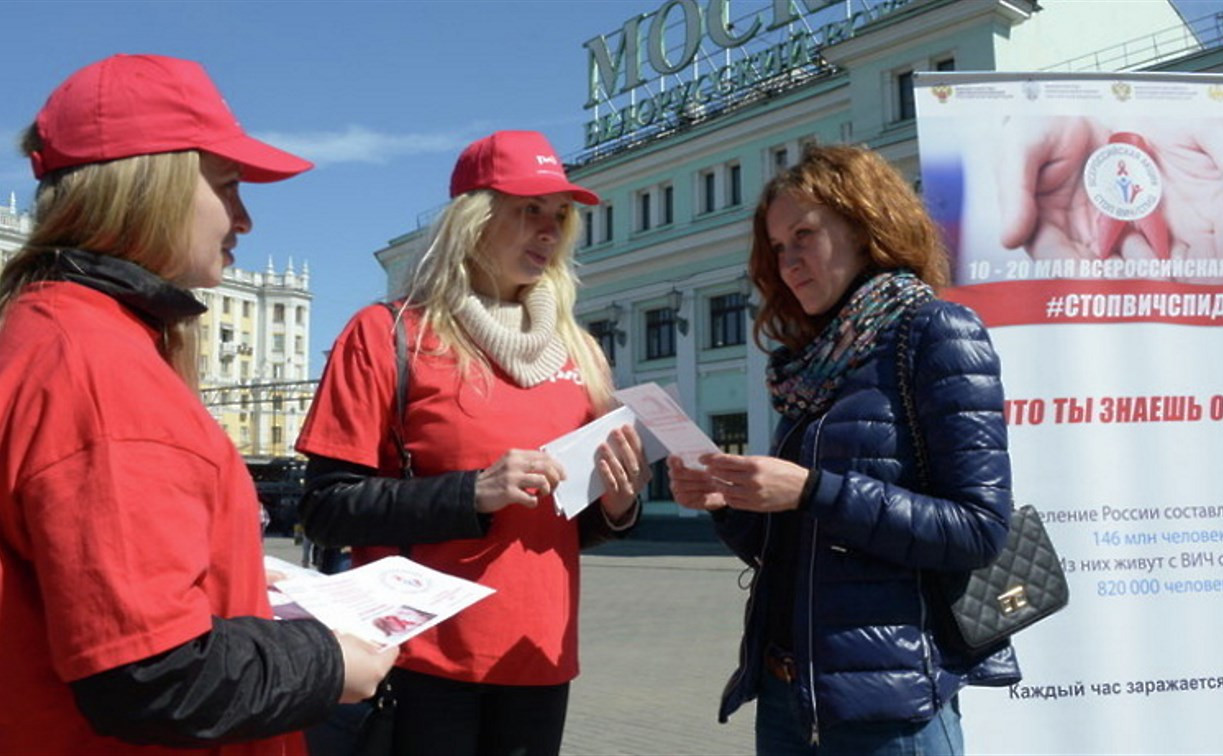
[1123, 181]
[405, 581]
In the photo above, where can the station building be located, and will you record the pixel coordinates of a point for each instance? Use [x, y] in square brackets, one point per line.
[692, 107]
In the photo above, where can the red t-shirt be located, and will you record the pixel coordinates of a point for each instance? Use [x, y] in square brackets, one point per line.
[127, 518]
[526, 632]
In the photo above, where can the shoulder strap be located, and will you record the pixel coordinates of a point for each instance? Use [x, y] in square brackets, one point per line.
[403, 382]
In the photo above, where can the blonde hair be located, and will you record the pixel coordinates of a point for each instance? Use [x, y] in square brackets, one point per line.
[137, 209]
[879, 205]
[442, 279]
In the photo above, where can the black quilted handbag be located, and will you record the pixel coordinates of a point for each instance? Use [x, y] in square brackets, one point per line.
[1023, 585]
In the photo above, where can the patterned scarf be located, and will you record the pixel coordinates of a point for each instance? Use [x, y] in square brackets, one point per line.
[805, 383]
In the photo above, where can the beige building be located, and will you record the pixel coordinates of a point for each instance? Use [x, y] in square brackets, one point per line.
[255, 357]
[14, 228]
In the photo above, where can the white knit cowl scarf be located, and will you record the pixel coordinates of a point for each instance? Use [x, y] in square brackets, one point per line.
[519, 337]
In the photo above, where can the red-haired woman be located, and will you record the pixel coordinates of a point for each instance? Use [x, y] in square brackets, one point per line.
[839, 648]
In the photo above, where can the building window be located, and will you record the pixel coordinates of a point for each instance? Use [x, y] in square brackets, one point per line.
[226, 305]
[718, 187]
[278, 313]
[278, 435]
[244, 369]
[654, 206]
[605, 333]
[659, 333]
[227, 334]
[727, 320]
[643, 211]
[607, 223]
[588, 223]
[301, 316]
[299, 345]
[906, 107]
[945, 64]
[278, 342]
[729, 432]
[246, 309]
[278, 403]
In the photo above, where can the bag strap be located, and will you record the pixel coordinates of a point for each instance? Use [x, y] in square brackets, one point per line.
[904, 380]
[403, 383]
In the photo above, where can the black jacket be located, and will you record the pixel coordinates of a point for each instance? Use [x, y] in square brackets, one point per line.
[346, 504]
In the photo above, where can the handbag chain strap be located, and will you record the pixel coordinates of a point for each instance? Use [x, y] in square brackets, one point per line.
[904, 380]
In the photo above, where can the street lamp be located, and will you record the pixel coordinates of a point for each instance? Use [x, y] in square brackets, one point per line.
[745, 288]
[614, 321]
[675, 299]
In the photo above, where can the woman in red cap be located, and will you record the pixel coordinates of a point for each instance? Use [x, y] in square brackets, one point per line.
[498, 367]
[133, 598]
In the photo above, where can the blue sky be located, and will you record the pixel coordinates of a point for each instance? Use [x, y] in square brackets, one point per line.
[381, 95]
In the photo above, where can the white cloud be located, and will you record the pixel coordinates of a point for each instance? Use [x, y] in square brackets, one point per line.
[357, 144]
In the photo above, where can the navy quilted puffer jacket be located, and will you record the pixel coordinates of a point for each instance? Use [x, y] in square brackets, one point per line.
[864, 646]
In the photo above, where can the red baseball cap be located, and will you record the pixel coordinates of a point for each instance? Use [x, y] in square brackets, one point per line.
[128, 105]
[521, 163]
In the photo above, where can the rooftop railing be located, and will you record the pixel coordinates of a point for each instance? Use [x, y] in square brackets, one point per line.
[1199, 35]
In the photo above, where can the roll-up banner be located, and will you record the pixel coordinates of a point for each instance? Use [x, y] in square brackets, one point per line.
[1084, 214]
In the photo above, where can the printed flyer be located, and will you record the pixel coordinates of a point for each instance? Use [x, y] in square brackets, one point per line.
[664, 429]
[383, 603]
[1085, 218]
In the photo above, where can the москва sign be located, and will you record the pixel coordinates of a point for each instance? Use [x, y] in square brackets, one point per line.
[619, 74]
